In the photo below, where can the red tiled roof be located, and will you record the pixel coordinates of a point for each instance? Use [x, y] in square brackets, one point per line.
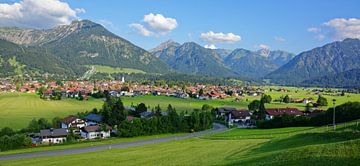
[281, 111]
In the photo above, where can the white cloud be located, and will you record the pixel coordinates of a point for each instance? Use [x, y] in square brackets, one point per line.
[155, 25]
[37, 13]
[159, 23]
[141, 29]
[279, 39]
[338, 29]
[341, 28]
[220, 37]
[210, 46]
[314, 29]
[80, 10]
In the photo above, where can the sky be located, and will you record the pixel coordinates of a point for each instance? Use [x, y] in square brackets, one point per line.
[290, 25]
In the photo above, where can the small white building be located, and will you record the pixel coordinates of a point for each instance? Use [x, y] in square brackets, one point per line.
[53, 136]
[93, 132]
[72, 122]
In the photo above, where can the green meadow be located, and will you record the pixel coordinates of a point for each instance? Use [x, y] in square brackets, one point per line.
[17, 109]
[285, 146]
[110, 70]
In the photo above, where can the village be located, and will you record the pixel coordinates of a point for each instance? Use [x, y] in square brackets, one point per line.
[92, 126]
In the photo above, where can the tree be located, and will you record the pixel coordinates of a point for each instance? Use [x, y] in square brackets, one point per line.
[262, 111]
[140, 109]
[286, 99]
[307, 107]
[56, 122]
[113, 111]
[7, 131]
[201, 92]
[158, 110]
[254, 105]
[266, 98]
[207, 107]
[81, 97]
[322, 101]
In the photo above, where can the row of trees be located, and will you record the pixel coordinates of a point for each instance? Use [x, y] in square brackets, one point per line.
[10, 139]
[172, 123]
[115, 115]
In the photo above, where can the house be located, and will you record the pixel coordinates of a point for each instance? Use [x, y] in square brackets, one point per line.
[240, 116]
[270, 113]
[223, 111]
[53, 136]
[72, 122]
[94, 132]
[93, 119]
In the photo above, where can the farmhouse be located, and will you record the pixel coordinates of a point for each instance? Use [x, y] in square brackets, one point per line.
[53, 136]
[240, 116]
[270, 113]
[223, 111]
[96, 131]
[72, 122]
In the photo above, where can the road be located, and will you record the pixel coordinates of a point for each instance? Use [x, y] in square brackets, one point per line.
[217, 128]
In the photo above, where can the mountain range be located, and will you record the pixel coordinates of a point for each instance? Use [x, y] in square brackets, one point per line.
[328, 60]
[71, 50]
[195, 59]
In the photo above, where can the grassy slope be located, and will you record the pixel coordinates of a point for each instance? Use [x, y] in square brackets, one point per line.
[17, 110]
[287, 146]
[110, 70]
[86, 143]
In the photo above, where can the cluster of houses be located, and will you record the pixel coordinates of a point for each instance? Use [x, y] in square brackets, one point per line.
[121, 88]
[88, 128]
[243, 117]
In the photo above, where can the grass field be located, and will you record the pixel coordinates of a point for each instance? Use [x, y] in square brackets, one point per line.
[17, 110]
[110, 70]
[190, 104]
[86, 143]
[287, 146]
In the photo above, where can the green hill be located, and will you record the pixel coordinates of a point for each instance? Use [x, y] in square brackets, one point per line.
[65, 50]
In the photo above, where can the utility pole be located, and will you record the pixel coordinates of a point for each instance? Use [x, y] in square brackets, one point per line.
[334, 124]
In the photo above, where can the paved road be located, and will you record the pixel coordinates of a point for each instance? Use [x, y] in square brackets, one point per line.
[217, 128]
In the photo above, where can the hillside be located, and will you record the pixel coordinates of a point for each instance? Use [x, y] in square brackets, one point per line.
[347, 79]
[19, 60]
[283, 146]
[79, 44]
[330, 59]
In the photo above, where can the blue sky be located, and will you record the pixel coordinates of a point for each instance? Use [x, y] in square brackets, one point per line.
[293, 26]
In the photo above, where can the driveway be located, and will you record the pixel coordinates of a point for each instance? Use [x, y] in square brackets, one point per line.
[217, 128]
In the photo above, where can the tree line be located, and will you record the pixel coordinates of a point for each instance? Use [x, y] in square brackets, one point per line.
[344, 113]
